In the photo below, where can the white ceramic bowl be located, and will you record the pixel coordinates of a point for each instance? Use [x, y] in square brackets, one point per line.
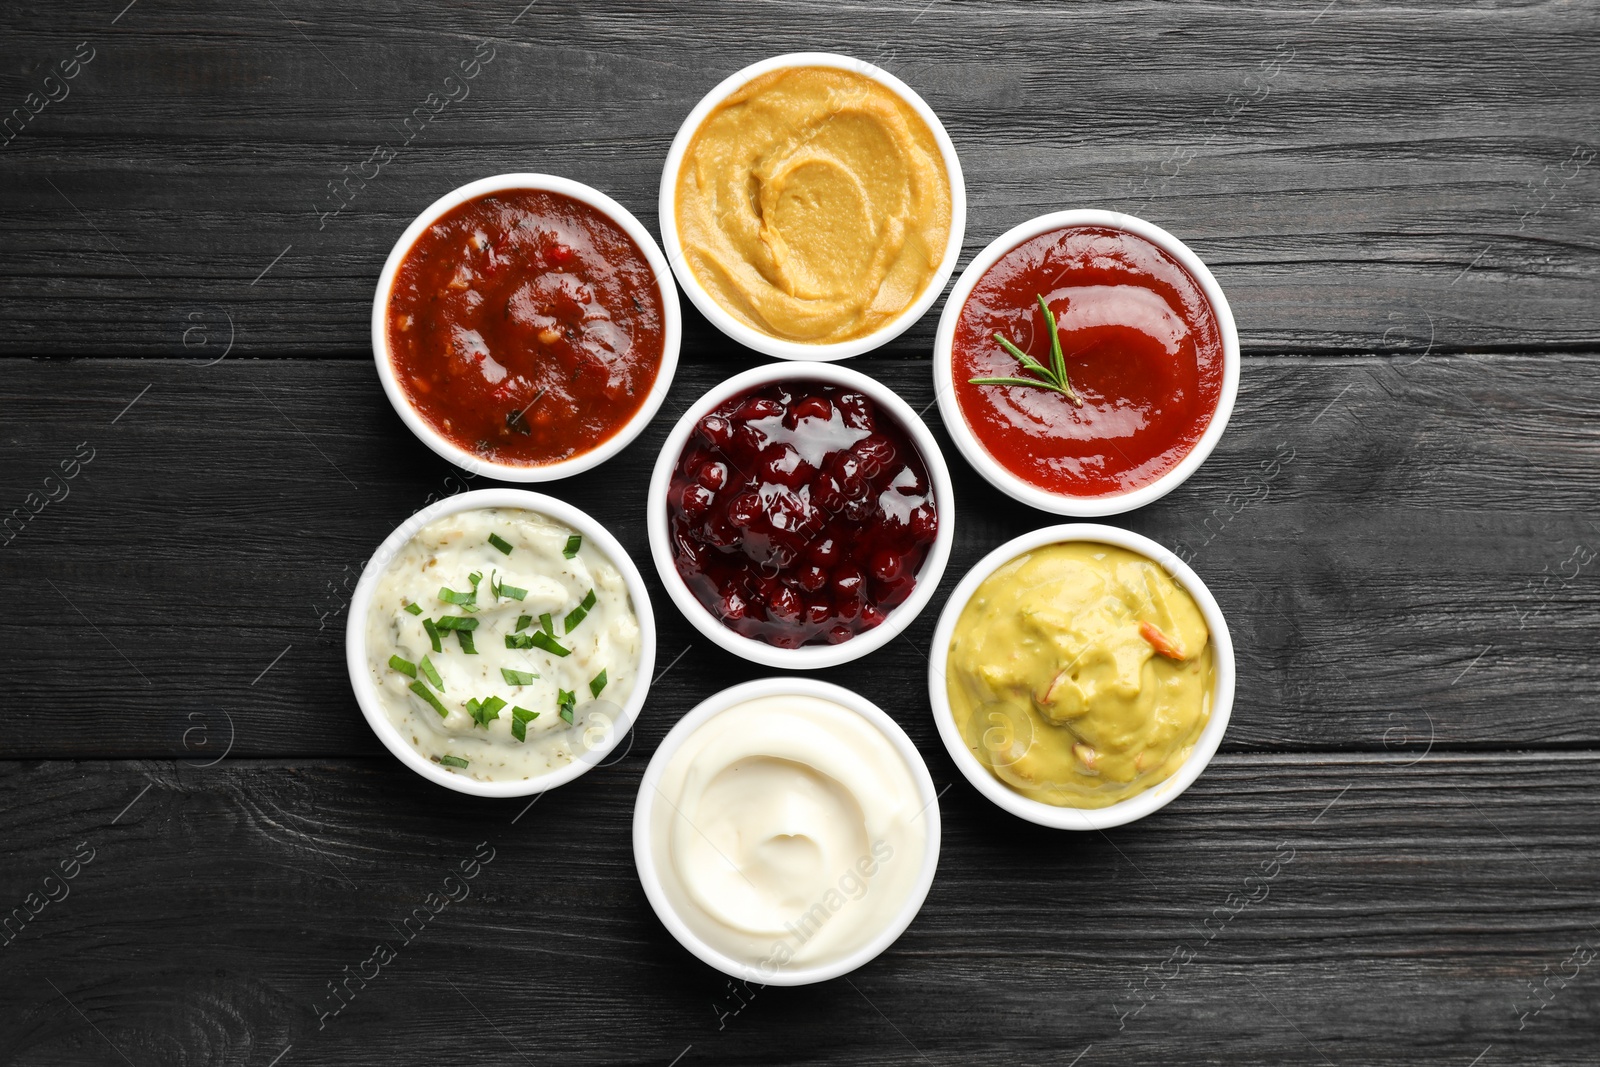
[355, 639]
[765, 342]
[1124, 811]
[672, 332]
[806, 657]
[649, 791]
[1001, 477]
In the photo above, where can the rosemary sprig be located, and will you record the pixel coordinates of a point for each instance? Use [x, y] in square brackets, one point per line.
[1053, 377]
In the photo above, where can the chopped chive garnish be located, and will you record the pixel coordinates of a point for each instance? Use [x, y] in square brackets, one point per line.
[597, 683]
[485, 711]
[519, 640]
[433, 633]
[517, 677]
[431, 674]
[548, 624]
[474, 578]
[574, 543]
[415, 609]
[566, 699]
[501, 543]
[510, 592]
[520, 717]
[423, 692]
[465, 637]
[522, 623]
[452, 761]
[465, 600]
[577, 614]
[550, 644]
[455, 622]
[404, 666]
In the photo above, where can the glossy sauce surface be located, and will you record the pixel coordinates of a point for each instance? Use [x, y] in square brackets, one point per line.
[526, 327]
[1142, 348]
[800, 513]
[774, 805]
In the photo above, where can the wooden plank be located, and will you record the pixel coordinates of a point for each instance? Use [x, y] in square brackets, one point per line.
[1417, 567]
[1396, 914]
[1354, 184]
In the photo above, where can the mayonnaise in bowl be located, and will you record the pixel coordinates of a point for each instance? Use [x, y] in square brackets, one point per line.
[786, 831]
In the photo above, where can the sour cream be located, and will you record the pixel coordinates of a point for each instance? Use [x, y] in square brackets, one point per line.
[789, 831]
[533, 577]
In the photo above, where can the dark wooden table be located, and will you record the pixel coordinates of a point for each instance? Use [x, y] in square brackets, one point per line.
[200, 834]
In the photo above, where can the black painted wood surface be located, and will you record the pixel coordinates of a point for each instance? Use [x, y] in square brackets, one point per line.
[1394, 860]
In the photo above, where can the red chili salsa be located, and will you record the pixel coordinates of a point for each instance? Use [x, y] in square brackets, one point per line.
[800, 513]
[526, 327]
[1140, 345]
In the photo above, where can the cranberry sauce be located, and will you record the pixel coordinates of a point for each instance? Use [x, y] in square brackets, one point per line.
[800, 513]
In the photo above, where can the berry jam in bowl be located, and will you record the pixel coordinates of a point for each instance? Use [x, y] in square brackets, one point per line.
[800, 517]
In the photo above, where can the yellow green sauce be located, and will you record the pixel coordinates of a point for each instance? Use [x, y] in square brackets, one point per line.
[1081, 674]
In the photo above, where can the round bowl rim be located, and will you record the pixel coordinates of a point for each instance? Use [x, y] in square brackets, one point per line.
[671, 316]
[366, 693]
[643, 848]
[765, 343]
[806, 657]
[1002, 477]
[1135, 807]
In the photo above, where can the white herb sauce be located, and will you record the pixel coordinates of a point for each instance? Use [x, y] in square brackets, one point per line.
[443, 555]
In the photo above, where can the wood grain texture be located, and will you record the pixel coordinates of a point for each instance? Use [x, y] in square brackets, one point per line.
[1358, 176]
[1420, 564]
[1400, 525]
[1408, 912]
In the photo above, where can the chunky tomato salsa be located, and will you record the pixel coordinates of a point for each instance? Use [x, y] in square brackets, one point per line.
[526, 327]
[1132, 386]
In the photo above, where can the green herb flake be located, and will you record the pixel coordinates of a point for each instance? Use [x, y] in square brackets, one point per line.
[566, 701]
[517, 677]
[455, 622]
[547, 624]
[522, 623]
[597, 683]
[433, 633]
[520, 717]
[485, 711]
[501, 543]
[522, 641]
[431, 673]
[465, 637]
[579, 613]
[423, 692]
[509, 592]
[452, 761]
[550, 644]
[404, 666]
[415, 609]
[463, 600]
[574, 543]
